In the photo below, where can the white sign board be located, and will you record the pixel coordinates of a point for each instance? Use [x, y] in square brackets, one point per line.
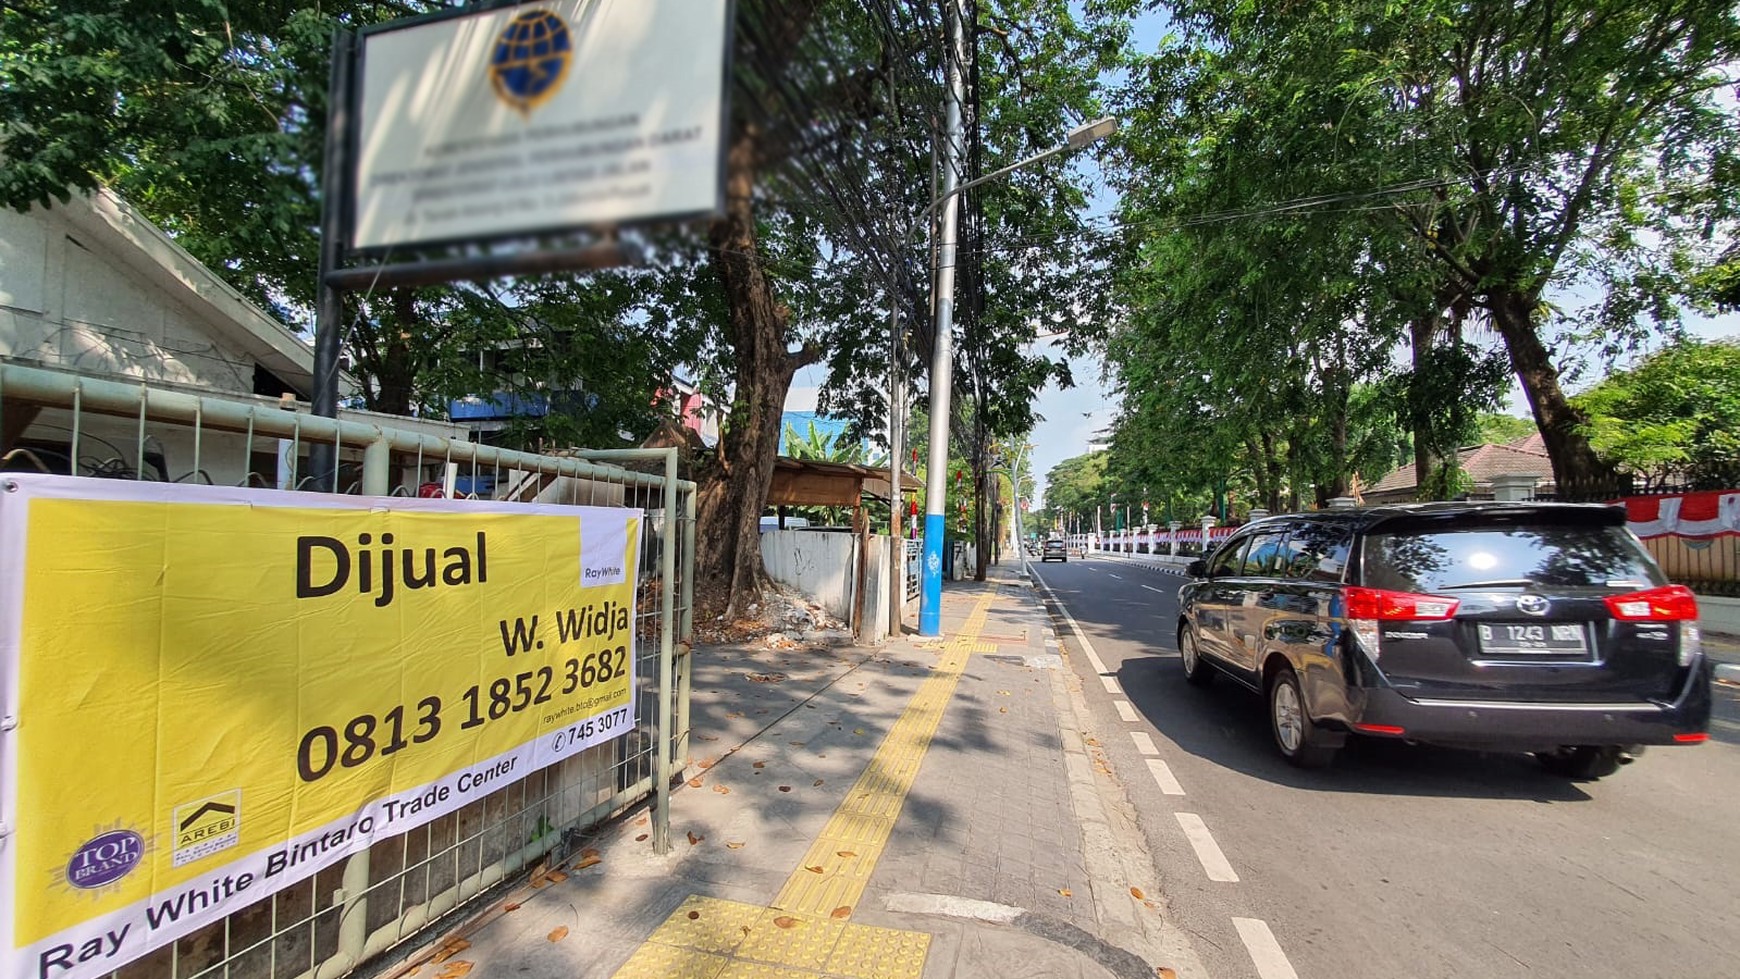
[540, 117]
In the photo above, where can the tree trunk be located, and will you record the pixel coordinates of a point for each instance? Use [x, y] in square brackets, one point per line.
[1423, 331]
[395, 372]
[733, 493]
[1575, 464]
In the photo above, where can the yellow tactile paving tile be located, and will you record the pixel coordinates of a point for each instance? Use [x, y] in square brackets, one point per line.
[654, 961]
[708, 924]
[805, 942]
[879, 953]
[801, 937]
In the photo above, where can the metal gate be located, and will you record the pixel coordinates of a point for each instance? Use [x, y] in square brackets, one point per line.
[346, 914]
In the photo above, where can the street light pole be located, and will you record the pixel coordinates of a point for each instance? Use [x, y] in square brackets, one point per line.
[942, 358]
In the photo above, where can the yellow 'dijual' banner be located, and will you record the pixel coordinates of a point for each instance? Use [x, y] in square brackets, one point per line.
[218, 692]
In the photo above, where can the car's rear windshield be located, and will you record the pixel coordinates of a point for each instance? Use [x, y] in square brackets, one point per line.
[1439, 560]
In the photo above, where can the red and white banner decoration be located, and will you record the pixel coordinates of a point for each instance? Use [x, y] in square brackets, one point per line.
[1714, 513]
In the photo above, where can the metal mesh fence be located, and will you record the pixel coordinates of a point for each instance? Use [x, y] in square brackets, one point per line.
[357, 909]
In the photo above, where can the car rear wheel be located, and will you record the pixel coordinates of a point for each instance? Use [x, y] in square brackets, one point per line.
[1289, 722]
[1582, 761]
[1195, 670]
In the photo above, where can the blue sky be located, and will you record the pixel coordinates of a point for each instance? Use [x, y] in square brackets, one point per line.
[1071, 417]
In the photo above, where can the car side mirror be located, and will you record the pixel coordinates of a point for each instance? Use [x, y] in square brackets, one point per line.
[1197, 568]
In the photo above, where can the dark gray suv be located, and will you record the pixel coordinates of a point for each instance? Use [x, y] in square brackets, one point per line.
[1533, 627]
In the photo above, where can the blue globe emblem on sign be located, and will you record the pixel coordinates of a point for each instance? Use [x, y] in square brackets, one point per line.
[530, 59]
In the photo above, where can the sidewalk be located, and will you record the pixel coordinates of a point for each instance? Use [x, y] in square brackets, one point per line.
[926, 809]
[1725, 652]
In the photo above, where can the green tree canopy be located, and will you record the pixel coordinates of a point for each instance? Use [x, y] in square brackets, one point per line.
[1674, 418]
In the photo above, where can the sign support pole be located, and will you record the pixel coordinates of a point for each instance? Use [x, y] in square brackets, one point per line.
[329, 304]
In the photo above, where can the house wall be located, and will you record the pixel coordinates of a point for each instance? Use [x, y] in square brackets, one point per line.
[67, 302]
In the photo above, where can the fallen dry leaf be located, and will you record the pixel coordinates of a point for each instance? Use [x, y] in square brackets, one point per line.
[590, 851]
[767, 677]
[815, 870]
[511, 906]
[557, 877]
[693, 839]
[1064, 891]
[735, 713]
[592, 860]
[641, 821]
[841, 912]
[795, 744]
[784, 921]
[1164, 973]
[641, 838]
[846, 854]
[1136, 892]
[560, 933]
[454, 970]
[759, 764]
[694, 915]
[1003, 693]
[705, 764]
[734, 846]
[746, 929]
[695, 782]
[722, 790]
[1002, 710]
[785, 788]
[707, 737]
[819, 781]
[451, 949]
[857, 730]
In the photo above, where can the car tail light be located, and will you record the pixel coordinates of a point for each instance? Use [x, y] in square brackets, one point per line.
[1366, 607]
[1691, 643]
[1698, 737]
[1389, 729]
[1669, 603]
[1377, 605]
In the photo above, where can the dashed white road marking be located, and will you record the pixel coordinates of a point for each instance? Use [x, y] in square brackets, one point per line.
[1111, 686]
[1117, 576]
[1093, 658]
[1144, 743]
[1213, 861]
[1163, 777]
[1127, 712]
[1266, 953]
[1154, 590]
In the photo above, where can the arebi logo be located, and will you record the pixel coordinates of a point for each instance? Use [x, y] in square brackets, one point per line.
[530, 59]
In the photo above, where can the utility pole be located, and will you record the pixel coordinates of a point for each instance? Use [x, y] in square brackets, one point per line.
[896, 452]
[943, 356]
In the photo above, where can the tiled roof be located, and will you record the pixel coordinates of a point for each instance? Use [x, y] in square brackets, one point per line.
[1481, 463]
[1530, 443]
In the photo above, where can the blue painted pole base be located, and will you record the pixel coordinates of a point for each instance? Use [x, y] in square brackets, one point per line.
[930, 592]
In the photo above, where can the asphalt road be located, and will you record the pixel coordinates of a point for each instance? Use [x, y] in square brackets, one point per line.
[1403, 861]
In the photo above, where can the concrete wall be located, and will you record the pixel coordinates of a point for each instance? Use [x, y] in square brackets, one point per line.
[824, 567]
[818, 564]
[1721, 615]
